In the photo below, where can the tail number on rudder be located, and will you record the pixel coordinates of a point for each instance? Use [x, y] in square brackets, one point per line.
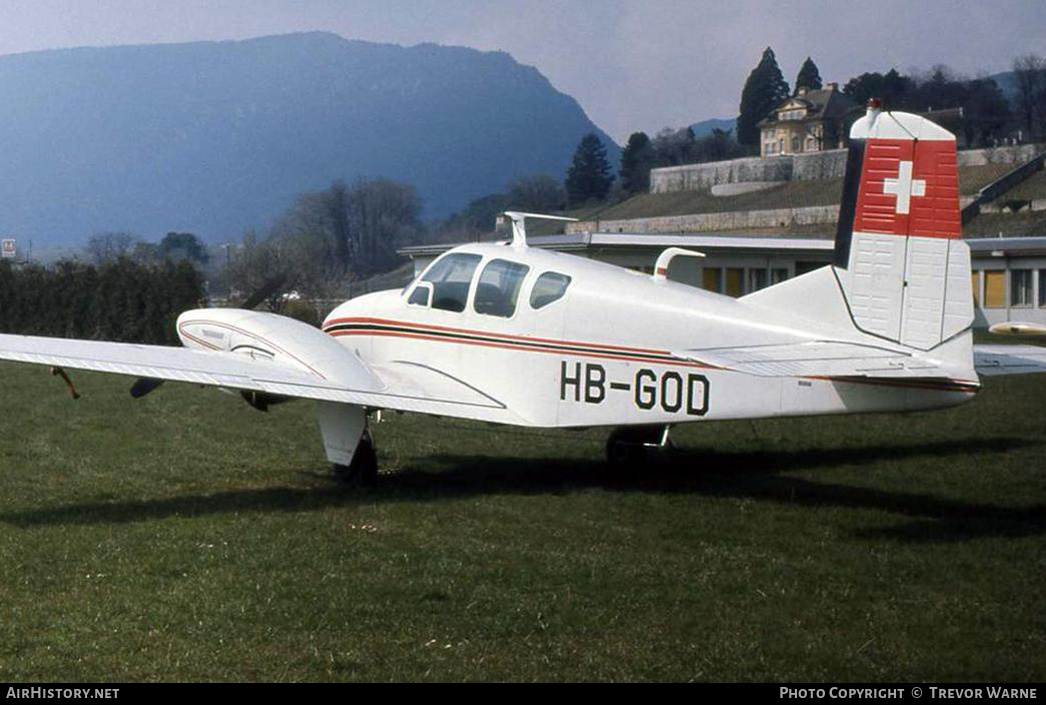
[671, 391]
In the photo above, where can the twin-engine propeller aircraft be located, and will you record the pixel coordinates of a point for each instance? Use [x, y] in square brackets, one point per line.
[508, 334]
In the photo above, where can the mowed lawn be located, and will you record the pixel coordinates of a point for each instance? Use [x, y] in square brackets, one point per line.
[186, 536]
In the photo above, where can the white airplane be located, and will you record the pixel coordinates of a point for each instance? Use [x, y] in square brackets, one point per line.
[503, 333]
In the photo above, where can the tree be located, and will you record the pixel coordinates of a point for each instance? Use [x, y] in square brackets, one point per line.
[940, 89]
[986, 112]
[541, 194]
[182, 246]
[636, 161]
[674, 147]
[589, 176]
[330, 237]
[716, 147]
[477, 218]
[763, 91]
[384, 215]
[892, 88]
[809, 77]
[1030, 71]
[106, 247]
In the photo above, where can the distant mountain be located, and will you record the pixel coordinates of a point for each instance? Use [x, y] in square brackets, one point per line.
[705, 127]
[216, 137]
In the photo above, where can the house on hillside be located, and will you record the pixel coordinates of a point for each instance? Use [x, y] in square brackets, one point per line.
[810, 121]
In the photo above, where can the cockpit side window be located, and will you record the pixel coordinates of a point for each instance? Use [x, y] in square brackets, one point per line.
[449, 277]
[549, 287]
[498, 288]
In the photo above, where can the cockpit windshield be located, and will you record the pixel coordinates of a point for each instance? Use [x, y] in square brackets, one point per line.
[450, 277]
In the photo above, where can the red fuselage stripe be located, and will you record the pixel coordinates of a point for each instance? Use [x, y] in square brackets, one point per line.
[467, 331]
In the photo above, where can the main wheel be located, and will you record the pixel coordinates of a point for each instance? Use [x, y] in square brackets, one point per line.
[623, 450]
[363, 470]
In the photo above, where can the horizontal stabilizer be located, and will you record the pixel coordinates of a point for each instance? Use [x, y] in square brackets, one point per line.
[815, 359]
[993, 360]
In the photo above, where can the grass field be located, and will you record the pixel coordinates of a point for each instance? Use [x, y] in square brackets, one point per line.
[188, 537]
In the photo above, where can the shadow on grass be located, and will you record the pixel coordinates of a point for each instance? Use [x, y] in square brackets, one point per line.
[759, 475]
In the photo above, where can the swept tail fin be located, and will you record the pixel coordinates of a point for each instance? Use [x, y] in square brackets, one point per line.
[899, 254]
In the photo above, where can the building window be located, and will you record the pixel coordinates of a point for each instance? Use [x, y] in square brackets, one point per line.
[778, 275]
[712, 279]
[995, 289]
[795, 144]
[735, 281]
[1042, 287]
[804, 267]
[757, 279]
[975, 284]
[1021, 293]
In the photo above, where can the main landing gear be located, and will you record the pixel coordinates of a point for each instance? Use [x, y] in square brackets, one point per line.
[348, 443]
[363, 468]
[631, 446]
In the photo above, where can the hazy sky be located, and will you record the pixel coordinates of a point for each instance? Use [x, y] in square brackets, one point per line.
[632, 65]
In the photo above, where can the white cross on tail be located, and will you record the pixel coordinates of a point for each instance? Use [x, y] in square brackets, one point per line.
[904, 187]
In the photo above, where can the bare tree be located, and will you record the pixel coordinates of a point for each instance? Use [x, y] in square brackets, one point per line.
[108, 247]
[1030, 71]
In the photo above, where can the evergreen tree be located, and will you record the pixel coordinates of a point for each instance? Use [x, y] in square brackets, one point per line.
[809, 77]
[764, 90]
[636, 161]
[589, 175]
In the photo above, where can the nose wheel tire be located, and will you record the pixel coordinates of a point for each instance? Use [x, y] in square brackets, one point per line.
[363, 470]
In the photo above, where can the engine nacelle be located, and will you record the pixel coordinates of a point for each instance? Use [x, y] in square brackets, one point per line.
[279, 339]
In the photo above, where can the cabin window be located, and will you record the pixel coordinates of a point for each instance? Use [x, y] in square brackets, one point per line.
[450, 277]
[498, 288]
[420, 296]
[549, 287]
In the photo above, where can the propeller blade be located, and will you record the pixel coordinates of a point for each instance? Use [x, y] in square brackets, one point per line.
[265, 291]
[144, 385]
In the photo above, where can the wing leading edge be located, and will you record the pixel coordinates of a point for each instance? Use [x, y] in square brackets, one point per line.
[405, 388]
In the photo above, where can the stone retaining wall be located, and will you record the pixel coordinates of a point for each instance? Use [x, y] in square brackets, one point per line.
[830, 164]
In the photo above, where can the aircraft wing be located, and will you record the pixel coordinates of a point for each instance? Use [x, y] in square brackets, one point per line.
[993, 360]
[815, 359]
[401, 387]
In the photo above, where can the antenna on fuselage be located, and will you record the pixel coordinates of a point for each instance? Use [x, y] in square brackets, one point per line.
[519, 227]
